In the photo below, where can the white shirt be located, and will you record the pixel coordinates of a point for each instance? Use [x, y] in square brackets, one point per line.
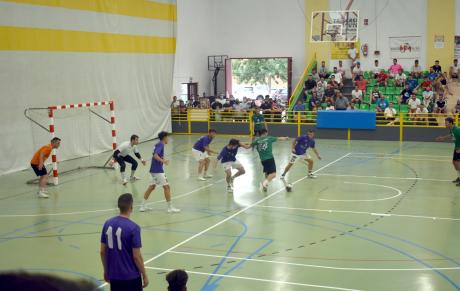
[416, 68]
[377, 69]
[454, 69]
[357, 94]
[341, 70]
[352, 53]
[401, 77]
[338, 77]
[422, 111]
[126, 148]
[357, 70]
[413, 104]
[390, 112]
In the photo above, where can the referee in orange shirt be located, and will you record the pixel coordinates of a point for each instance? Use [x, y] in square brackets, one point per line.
[38, 165]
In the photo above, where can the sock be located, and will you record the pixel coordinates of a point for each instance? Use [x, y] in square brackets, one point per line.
[265, 183]
[132, 173]
[144, 202]
[169, 204]
[205, 173]
[40, 189]
[458, 173]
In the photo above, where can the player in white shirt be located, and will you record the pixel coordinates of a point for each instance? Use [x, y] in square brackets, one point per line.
[121, 155]
[453, 72]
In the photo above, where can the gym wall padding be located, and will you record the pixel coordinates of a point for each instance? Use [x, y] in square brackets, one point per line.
[62, 52]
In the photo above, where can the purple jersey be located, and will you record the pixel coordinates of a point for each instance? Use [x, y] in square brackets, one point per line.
[227, 155]
[202, 142]
[303, 142]
[121, 236]
[156, 166]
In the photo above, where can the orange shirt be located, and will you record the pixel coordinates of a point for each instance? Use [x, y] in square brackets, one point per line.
[45, 150]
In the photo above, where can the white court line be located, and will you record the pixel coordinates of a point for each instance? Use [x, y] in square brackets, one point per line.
[109, 209]
[400, 155]
[362, 212]
[312, 266]
[259, 280]
[385, 177]
[232, 216]
[400, 158]
[366, 200]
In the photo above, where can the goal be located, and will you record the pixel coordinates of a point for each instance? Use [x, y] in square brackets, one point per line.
[90, 106]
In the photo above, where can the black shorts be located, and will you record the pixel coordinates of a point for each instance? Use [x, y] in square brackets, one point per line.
[456, 156]
[454, 76]
[126, 285]
[269, 166]
[38, 172]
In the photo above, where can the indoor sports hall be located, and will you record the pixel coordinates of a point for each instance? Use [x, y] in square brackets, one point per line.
[230, 145]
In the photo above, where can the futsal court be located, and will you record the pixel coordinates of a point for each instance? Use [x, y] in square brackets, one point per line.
[379, 216]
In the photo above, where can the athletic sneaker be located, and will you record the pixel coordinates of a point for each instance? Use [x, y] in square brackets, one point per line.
[173, 210]
[201, 179]
[124, 182]
[312, 176]
[229, 188]
[456, 180]
[262, 187]
[144, 208]
[42, 194]
[208, 176]
[134, 178]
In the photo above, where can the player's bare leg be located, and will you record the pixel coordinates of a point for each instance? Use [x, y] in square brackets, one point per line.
[206, 167]
[167, 193]
[457, 168]
[201, 165]
[310, 168]
[268, 179]
[147, 193]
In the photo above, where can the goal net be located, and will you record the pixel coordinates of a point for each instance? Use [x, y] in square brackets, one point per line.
[87, 131]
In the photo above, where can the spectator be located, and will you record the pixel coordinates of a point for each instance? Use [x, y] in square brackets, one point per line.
[400, 79]
[315, 75]
[382, 78]
[390, 112]
[413, 103]
[276, 110]
[182, 107]
[341, 69]
[453, 71]
[310, 83]
[361, 83]
[329, 93]
[121, 249]
[441, 84]
[416, 70]
[426, 83]
[405, 95]
[376, 70]
[432, 75]
[440, 104]
[333, 83]
[357, 71]
[421, 114]
[329, 106]
[341, 103]
[375, 95]
[174, 103]
[323, 81]
[177, 280]
[456, 109]
[436, 67]
[382, 104]
[353, 55]
[427, 97]
[216, 105]
[395, 68]
[337, 77]
[320, 91]
[300, 106]
[314, 103]
[356, 95]
[323, 71]
[413, 83]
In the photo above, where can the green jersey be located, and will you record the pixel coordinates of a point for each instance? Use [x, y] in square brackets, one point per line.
[264, 147]
[259, 121]
[455, 131]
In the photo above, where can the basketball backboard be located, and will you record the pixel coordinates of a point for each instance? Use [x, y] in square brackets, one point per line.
[334, 26]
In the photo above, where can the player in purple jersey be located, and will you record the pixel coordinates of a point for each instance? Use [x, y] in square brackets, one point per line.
[201, 152]
[299, 150]
[158, 174]
[228, 159]
[121, 250]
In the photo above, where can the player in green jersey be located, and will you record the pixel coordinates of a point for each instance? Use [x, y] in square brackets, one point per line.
[455, 136]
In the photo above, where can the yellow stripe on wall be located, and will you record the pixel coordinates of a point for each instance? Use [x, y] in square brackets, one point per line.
[53, 40]
[136, 8]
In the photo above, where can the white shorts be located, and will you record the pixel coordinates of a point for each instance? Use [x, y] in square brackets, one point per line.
[295, 157]
[199, 155]
[232, 165]
[159, 179]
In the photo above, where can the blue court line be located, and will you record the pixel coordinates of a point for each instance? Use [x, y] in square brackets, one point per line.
[402, 252]
[23, 228]
[94, 280]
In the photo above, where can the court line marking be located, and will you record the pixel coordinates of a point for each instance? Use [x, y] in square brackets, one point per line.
[361, 212]
[312, 266]
[110, 209]
[366, 200]
[385, 177]
[259, 280]
[399, 158]
[232, 216]
[386, 154]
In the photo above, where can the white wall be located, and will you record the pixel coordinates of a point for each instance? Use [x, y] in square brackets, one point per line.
[386, 19]
[237, 28]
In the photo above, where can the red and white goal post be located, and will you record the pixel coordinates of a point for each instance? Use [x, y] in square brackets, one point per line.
[51, 110]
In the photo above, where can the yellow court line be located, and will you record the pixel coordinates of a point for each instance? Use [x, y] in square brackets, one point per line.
[39, 39]
[135, 8]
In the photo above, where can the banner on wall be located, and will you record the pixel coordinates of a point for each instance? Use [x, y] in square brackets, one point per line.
[339, 50]
[457, 47]
[405, 47]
